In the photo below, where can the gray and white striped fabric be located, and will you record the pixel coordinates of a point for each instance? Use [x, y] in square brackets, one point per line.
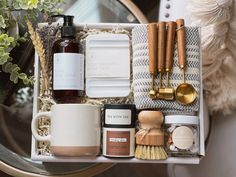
[142, 77]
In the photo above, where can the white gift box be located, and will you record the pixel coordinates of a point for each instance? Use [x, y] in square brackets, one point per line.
[101, 159]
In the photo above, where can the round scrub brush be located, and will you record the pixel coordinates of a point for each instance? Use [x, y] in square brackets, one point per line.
[150, 137]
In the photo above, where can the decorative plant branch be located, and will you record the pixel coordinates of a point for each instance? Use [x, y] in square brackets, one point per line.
[7, 42]
[25, 10]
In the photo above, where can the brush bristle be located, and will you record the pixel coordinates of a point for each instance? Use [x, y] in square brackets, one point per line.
[150, 152]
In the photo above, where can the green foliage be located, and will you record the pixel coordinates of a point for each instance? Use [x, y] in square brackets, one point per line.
[4, 56]
[2, 22]
[5, 43]
[49, 6]
[25, 4]
[15, 73]
[29, 10]
[5, 60]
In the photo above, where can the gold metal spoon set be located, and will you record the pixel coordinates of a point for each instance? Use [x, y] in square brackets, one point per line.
[161, 40]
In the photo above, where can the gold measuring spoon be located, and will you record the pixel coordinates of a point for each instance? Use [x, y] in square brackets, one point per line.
[152, 56]
[161, 57]
[171, 29]
[185, 93]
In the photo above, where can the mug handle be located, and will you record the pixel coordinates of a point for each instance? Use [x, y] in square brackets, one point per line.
[34, 126]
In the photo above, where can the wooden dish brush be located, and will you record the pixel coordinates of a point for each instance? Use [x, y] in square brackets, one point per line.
[150, 137]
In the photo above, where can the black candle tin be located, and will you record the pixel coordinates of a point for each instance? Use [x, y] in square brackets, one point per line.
[119, 115]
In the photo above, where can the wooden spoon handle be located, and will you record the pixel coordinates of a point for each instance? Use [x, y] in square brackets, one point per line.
[181, 43]
[171, 29]
[152, 47]
[161, 46]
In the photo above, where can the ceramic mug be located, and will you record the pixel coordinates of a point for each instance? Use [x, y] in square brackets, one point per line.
[75, 129]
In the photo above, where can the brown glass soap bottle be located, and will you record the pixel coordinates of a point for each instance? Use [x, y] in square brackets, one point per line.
[68, 65]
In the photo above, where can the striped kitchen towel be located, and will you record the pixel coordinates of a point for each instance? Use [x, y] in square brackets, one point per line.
[142, 77]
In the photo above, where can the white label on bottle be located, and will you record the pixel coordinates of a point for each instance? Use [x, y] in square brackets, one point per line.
[118, 116]
[68, 71]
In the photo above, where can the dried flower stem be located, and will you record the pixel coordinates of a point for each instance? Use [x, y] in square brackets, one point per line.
[38, 45]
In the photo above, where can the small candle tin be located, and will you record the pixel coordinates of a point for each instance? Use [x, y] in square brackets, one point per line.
[119, 130]
[182, 135]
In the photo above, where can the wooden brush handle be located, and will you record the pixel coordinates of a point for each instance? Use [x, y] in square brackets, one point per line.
[161, 46]
[152, 47]
[181, 43]
[150, 119]
[171, 29]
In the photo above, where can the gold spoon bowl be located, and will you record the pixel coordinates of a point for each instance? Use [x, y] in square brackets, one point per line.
[185, 94]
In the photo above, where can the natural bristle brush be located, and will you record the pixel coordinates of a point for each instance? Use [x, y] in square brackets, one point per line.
[150, 137]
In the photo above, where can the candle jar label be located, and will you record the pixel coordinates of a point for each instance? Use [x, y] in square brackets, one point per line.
[118, 116]
[118, 143]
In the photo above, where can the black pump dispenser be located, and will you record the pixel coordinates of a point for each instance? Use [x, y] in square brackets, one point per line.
[68, 29]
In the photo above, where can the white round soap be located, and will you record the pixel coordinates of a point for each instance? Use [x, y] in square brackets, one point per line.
[183, 137]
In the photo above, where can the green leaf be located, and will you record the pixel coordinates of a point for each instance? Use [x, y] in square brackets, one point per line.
[22, 76]
[26, 35]
[4, 58]
[14, 77]
[10, 39]
[15, 81]
[6, 41]
[15, 68]
[32, 79]
[2, 22]
[3, 3]
[7, 67]
[10, 59]
[26, 81]
[16, 5]
[22, 39]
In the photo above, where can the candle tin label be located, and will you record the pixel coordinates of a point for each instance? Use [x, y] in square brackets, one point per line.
[118, 143]
[118, 116]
